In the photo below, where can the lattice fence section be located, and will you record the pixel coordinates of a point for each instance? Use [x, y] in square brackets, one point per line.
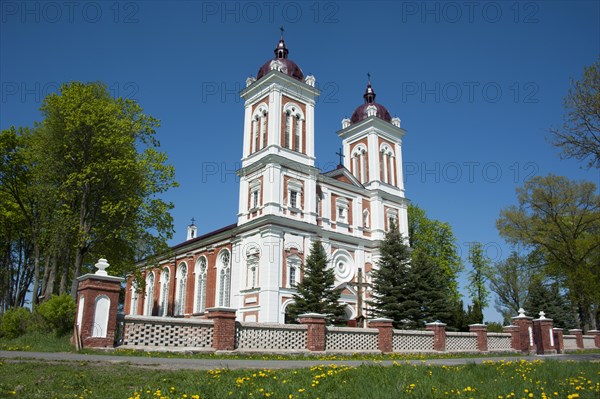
[570, 342]
[351, 339]
[588, 342]
[499, 342]
[457, 341]
[409, 341]
[270, 337]
[160, 331]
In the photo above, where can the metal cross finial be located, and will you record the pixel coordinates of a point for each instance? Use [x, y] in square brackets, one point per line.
[369, 76]
[342, 156]
[281, 29]
[193, 221]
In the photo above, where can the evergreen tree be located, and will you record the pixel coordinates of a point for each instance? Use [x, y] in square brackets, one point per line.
[391, 277]
[316, 292]
[427, 294]
[548, 298]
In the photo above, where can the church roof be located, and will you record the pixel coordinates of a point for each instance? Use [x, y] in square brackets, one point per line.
[282, 63]
[342, 174]
[362, 112]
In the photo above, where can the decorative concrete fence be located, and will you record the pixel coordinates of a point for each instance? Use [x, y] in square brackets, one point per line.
[96, 326]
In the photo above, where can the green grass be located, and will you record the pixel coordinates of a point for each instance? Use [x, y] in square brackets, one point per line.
[503, 379]
[37, 342]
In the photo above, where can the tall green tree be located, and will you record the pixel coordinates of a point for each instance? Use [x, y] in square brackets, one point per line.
[409, 289]
[435, 241]
[509, 279]
[390, 278]
[316, 292]
[477, 277]
[102, 154]
[579, 136]
[561, 219]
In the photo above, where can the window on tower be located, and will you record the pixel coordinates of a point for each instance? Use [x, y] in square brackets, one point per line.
[294, 199]
[294, 195]
[254, 194]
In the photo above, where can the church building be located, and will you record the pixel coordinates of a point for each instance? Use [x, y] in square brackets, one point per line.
[285, 203]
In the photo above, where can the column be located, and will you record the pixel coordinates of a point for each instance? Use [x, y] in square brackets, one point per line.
[596, 334]
[559, 343]
[515, 342]
[578, 337]
[386, 334]
[482, 340]
[315, 334]
[439, 331]
[223, 329]
[525, 325]
[544, 335]
[97, 302]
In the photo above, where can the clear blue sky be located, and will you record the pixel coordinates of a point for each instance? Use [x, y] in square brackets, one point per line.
[476, 84]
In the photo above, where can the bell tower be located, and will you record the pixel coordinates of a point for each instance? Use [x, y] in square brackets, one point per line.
[278, 173]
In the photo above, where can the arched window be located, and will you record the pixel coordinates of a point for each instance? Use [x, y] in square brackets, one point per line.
[149, 294]
[294, 120]
[180, 289]
[259, 129]
[133, 305]
[359, 163]
[200, 303]
[100, 322]
[163, 301]
[224, 278]
[387, 165]
[293, 269]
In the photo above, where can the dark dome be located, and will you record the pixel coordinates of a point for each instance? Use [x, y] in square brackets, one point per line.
[286, 65]
[360, 113]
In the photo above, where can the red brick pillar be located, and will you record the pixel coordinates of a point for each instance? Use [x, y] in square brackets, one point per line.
[386, 332]
[439, 335]
[544, 335]
[578, 337]
[525, 324]
[515, 341]
[223, 328]
[482, 339]
[559, 342]
[315, 334]
[596, 334]
[97, 303]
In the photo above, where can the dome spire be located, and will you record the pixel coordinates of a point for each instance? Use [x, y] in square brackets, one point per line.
[369, 95]
[281, 50]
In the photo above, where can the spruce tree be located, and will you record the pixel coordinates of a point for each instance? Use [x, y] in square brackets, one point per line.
[427, 293]
[390, 278]
[548, 298]
[316, 292]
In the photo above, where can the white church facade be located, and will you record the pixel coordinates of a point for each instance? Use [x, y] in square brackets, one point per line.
[285, 203]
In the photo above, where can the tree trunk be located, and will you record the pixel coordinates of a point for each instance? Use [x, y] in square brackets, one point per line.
[52, 270]
[78, 262]
[35, 292]
[63, 278]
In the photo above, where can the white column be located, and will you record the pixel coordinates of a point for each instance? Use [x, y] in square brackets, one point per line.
[254, 140]
[363, 169]
[392, 181]
[355, 170]
[385, 167]
[263, 131]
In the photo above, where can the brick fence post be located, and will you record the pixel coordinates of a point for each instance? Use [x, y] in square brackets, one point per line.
[559, 342]
[544, 335]
[482, 339]
[315, 333]
[97, 303]
[578, 337]
[439, 335]
[515, 342]
[525, 325]
[596, 334]
[223, 329]
[386, 333]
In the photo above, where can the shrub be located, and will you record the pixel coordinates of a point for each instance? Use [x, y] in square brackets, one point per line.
[14, 322]
[59, 313]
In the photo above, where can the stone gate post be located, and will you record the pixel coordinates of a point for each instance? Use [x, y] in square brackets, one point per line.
[439, 335]
[544, 335]
[315, 339]
[97, 303]
[525, 325]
